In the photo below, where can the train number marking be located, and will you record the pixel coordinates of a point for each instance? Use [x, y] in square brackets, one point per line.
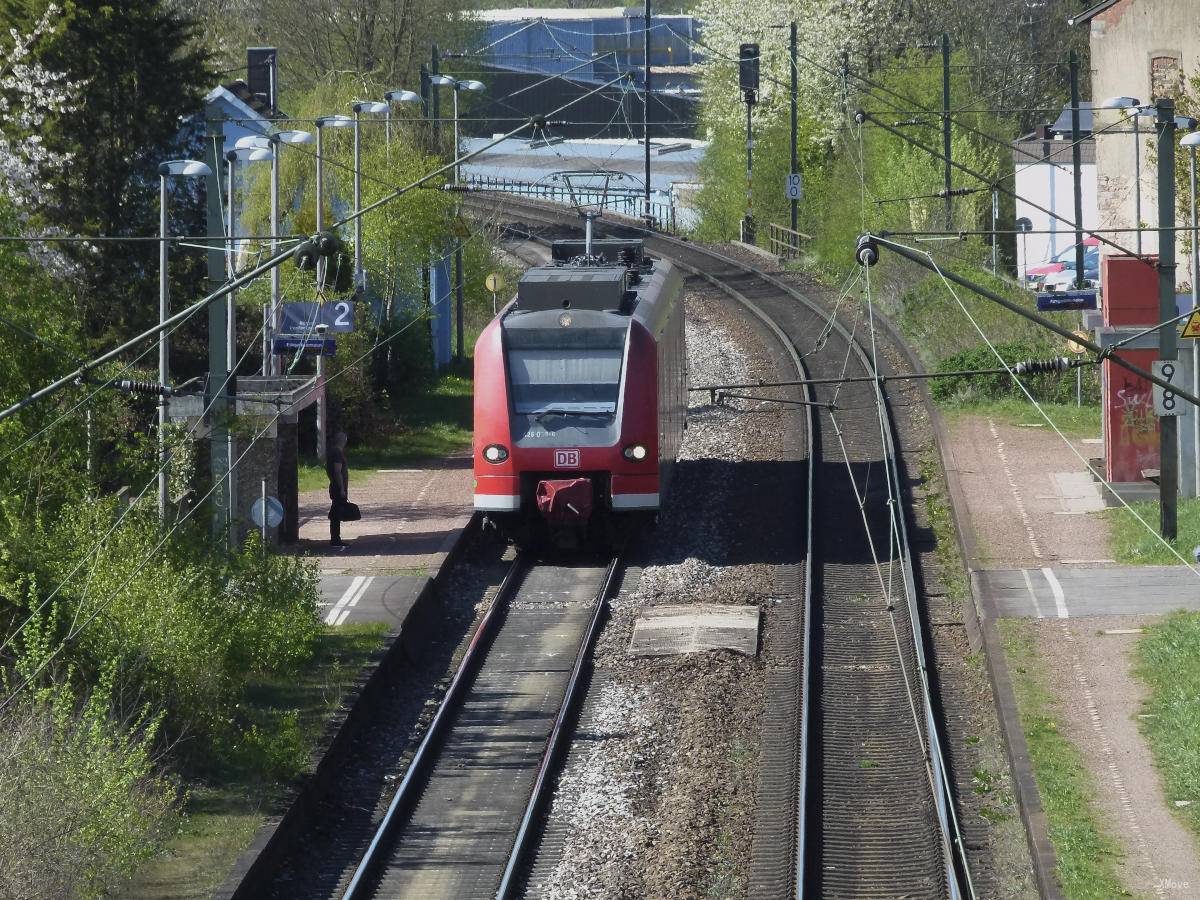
[566, 459]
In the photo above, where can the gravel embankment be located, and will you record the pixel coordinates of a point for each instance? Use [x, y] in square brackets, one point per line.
[657, 796]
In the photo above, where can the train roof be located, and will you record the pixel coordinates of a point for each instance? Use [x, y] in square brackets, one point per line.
[639, 287]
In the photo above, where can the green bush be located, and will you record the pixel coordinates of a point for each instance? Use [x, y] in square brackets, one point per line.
[1050, 388]
[182, 625]
[80, 804]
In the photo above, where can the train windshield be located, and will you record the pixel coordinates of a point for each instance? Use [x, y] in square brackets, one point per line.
[580, 376]
[568, 381]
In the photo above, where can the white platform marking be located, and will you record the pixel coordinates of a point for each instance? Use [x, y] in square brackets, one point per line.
[1060, 599]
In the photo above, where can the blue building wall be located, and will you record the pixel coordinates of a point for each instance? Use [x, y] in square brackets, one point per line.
[554, 47]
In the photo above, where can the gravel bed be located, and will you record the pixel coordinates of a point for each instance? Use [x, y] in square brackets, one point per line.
[658, 801]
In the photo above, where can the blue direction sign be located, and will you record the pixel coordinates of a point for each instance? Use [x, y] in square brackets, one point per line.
[1056, 301]
[302, 317]
[290, 343]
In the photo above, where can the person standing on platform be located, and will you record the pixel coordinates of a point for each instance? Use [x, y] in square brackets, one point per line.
[338, 471]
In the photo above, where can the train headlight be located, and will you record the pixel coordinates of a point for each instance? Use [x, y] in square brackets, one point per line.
[495, 453]
[635, 452]
[565, 320]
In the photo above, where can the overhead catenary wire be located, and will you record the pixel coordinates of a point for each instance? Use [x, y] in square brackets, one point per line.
[274, 261]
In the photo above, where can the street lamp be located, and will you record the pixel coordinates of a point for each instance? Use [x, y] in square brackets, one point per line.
[360, 107]
[175, 168]
[272, 325]
[1133, 108]
[457, 85]
[397, 96]
[323, 123]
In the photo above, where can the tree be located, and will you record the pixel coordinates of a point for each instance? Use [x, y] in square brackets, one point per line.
[145, 77]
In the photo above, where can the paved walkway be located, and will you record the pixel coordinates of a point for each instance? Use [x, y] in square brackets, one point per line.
[1066, 592]
[410, 520]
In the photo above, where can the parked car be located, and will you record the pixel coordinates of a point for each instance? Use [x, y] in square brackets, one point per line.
[1058, 273]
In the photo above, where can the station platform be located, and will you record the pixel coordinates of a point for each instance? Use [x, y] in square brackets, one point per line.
[411, 519]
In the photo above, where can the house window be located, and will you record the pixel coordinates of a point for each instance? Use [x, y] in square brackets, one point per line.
[1165, 77]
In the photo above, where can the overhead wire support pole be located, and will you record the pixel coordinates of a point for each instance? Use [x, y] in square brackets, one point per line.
[1087, 343]
[1168, 426]
[1076, 169]
[792, 50]
[947, 150]
[647, 214]
[276, 260]
[222, 452]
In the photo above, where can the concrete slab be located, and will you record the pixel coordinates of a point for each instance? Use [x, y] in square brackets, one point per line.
[675, 630]
[1078, 492]
[1047, 593]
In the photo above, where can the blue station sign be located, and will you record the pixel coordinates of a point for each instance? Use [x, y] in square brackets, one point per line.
[1057, 301]
[290, 343]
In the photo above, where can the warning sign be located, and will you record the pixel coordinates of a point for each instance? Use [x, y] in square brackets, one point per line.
[1192, 328]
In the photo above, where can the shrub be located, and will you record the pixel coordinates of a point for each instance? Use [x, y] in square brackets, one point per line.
[80, 804]
[1052, 388]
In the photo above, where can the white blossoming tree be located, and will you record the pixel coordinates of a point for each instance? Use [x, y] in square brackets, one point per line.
[29, 92]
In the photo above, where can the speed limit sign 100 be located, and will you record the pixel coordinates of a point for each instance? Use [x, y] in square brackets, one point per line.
[1165, 401]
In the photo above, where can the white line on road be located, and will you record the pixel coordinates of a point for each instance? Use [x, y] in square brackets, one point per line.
[1037, 607]
[1060, 599]
[352, 595]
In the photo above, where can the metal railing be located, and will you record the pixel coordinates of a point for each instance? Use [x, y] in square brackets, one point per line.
[785, 243]
[623, 201]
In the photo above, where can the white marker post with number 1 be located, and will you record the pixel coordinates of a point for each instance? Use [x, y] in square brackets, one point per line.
[1165, 401]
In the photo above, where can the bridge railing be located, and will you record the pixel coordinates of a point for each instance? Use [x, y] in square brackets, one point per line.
[623, 201]
[785, 243]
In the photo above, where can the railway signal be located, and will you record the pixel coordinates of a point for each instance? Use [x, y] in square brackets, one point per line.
[748, 81]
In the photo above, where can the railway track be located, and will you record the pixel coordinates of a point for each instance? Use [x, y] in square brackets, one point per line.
[459, 824]
[872, 813]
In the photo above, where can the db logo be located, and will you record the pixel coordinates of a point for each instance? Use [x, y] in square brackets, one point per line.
[566, 459]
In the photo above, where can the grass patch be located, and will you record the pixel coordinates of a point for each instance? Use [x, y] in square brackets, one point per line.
[1132, 543]
[951, 571]
[286, 719]
[1087, 857]
[1168, 661]
[433, 421]
[1072, 420]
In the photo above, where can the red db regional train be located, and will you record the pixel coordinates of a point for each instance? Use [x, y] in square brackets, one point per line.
[581, 396]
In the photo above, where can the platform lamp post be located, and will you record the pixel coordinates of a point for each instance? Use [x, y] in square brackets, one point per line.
[393, 97]
[175, 168]
[457, 85]
[1132, 107]
[375, 107]
[272, 325]
[249, 149]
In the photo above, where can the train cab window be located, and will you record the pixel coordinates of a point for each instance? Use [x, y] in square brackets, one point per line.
[580, 376]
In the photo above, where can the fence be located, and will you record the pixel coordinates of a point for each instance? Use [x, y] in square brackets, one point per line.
[623, 201]
[785, 243]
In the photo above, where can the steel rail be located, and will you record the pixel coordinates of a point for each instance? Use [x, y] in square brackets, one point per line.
[943, 794]
[558, 735]
[405, 794]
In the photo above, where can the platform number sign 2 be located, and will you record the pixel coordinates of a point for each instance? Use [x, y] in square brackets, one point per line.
[1165, 401]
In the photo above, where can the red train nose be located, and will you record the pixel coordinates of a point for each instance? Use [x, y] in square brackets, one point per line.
[565, 501]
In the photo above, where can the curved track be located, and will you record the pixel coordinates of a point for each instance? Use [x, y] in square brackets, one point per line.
[873, 814]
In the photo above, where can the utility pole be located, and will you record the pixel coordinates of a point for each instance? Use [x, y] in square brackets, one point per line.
[220, 384]
[748, 80]
[647, 214]
[1076, 165]
[792, 52]
[948, 170]
[1168, 426]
